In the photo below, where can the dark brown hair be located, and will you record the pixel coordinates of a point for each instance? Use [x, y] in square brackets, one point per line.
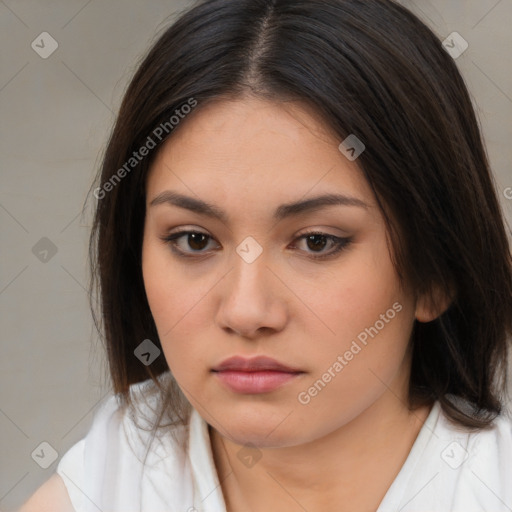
[369, 68]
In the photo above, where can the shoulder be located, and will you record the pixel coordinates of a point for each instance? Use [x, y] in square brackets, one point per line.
[478, 449]
[454, 469]
[120, 450]
[471, 470]
[490, 450]
[52, 496]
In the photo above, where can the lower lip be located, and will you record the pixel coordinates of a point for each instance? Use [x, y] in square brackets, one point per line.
[254, 382]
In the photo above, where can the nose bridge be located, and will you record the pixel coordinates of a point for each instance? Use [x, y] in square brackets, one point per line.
[249, 277]
[250, 299]
[248, 258]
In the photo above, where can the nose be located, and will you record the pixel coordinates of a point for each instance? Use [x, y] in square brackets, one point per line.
[252, 299]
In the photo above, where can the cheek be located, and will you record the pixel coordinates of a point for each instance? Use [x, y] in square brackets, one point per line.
[365, 359]
[358, 294]
[372, 286]
[369, 328]
[177, 306]
[372, 321]
[159, 283]
[170, 293]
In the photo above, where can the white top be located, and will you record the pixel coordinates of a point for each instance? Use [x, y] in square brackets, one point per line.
[447, 470]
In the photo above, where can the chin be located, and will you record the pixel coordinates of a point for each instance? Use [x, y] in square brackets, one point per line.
[259, 427]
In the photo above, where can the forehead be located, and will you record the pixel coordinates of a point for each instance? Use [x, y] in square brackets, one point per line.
[254, 150]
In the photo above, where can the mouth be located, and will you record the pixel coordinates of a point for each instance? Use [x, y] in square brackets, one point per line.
[256, 375]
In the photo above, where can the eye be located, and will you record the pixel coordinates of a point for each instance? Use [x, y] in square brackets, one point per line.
[317, 241]
[196, 240]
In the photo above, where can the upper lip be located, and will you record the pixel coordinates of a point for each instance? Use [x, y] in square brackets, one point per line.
[259, 363]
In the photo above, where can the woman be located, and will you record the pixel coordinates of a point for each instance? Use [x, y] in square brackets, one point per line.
[305, 278]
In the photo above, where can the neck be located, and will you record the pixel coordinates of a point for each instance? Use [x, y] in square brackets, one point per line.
[329, 471]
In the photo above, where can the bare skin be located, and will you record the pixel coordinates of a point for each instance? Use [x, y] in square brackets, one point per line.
[342, 447]
[52, 496]
[369, 454]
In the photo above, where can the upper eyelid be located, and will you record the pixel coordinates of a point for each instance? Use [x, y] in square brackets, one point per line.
[312, 231]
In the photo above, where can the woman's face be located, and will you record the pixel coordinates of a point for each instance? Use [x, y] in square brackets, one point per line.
[254, 285]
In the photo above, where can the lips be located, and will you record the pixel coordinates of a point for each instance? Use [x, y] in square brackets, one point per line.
[254, 376]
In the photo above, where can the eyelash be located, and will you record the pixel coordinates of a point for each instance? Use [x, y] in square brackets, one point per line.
[339, 243]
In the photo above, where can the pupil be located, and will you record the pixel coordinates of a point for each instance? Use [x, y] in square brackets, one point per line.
[193, 240]
[316, 244]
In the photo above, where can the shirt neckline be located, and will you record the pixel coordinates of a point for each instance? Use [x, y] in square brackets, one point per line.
[207, 489]
[395, 493]
[208, 492]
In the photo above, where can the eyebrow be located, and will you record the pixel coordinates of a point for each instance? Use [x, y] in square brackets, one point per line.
[281, 212]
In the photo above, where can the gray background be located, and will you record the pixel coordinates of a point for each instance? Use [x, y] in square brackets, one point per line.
[55, 115]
